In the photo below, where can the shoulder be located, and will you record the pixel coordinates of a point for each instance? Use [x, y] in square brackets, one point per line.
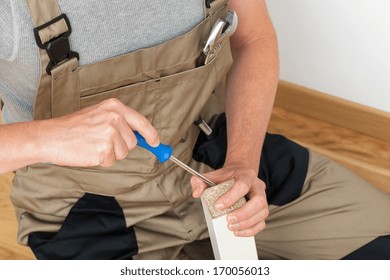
[7, 29]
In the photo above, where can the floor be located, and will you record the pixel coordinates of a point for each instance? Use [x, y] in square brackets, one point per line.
[367, 156]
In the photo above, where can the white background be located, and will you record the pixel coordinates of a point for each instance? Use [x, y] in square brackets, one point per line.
[339, 47]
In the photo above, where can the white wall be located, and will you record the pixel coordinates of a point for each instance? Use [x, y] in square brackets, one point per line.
[339, 47]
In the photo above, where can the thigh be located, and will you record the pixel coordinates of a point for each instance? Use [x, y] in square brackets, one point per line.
[378, 249]
[336, 213]
[199, 250]
[95, 228]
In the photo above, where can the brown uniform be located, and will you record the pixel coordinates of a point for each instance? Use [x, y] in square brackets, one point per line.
[142, 209]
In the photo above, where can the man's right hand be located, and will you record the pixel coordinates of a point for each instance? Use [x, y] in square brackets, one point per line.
[97, 135]
[94, 136]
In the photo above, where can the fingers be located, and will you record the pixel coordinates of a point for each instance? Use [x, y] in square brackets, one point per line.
[134, 120]
[138, 122]
[121, 147]
[252, 231]
[250, 218]
[106, 155]
[97, 135]
[124, 121]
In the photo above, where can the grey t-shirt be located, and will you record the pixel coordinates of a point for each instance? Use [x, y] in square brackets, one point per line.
[100, 29]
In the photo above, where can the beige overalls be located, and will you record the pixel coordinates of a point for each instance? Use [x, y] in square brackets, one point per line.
[163, 84]
[140, 208]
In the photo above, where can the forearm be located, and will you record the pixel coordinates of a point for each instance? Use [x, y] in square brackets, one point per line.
[251, 90]
[250, 93]
[19, 145]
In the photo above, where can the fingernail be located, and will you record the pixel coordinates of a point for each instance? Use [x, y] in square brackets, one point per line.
[232, 219]
[239, 233]
[233, 226]
[219, 207]
[196, 192]
[156, 143]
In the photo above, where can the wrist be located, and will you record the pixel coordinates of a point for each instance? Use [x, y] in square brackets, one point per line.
[243, 162]
[244, 153]
[42, 139]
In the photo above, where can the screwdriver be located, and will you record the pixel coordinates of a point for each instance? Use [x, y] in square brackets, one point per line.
[163, 153]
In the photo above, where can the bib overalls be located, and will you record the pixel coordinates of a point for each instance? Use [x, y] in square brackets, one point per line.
[142, 209]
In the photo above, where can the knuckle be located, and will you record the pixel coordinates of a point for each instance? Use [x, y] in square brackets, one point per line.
[261, 185]
[142, 121]
[110, 132]
[241, 188]
[260, 201]
[122, 155]
[255, 229]
[197, 184]
[112, 103]
[95, 161]
[114, 117]
[252, 173]
[266, 213]
[131, 145]
[104, 149]
[194, 182]
[106, 162]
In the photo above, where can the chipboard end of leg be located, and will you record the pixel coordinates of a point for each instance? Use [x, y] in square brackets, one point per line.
[226, 246]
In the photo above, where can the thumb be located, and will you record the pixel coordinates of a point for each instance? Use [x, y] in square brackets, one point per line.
[198, 186]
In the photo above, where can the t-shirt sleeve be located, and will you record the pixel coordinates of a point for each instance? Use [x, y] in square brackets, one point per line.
[7, 30]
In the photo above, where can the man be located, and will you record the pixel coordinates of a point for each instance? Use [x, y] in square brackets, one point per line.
[70, 122]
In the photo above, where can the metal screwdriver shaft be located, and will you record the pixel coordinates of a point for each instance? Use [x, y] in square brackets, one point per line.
[192, 171]
[164, 152]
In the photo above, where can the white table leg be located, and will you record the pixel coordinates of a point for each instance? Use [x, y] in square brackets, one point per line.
[226, 246]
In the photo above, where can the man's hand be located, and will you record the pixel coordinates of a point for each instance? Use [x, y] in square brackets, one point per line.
[250, 218]
[95, 136]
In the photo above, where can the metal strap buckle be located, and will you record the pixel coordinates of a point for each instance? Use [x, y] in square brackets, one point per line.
[208, 3]
[58, 49]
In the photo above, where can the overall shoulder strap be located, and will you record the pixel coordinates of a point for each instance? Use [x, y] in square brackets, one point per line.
[214, 5]
[57, 93]
[52, 31]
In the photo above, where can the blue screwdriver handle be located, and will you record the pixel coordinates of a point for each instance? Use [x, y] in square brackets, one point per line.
[162, 152]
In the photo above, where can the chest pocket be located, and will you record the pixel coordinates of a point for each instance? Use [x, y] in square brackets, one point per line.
[163, 82]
